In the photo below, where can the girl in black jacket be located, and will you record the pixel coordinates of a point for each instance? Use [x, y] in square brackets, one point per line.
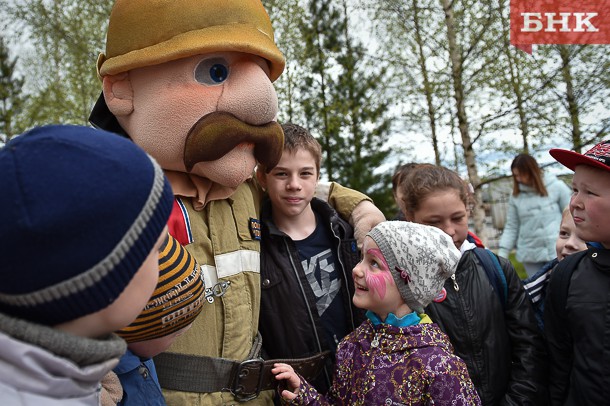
[497, 337]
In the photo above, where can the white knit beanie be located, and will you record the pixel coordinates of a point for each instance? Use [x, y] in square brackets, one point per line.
[420, 259]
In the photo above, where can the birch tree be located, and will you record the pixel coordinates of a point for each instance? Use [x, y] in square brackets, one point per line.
[411, 42]
[583, 92]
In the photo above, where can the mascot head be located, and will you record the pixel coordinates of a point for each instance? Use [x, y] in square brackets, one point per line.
[190, 81]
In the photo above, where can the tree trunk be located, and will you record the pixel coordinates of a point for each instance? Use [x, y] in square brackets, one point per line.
[478, 212]
[428, 91]
[515, 81]
[572, 104]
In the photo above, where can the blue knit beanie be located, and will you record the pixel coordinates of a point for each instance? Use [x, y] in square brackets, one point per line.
[80, 211]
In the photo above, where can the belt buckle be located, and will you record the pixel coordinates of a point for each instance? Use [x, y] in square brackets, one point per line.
[244, 373]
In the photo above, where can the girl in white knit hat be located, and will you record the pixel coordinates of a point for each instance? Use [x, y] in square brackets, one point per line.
[397, 356]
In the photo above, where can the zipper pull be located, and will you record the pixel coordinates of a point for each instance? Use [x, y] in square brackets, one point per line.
[455, 285]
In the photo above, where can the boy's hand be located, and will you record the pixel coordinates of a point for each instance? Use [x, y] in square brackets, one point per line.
[285, 372]
[364, 217]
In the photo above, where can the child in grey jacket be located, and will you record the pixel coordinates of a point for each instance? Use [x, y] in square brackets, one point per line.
[83, 216]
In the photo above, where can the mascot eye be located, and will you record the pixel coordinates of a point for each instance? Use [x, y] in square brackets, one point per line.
[212, 71]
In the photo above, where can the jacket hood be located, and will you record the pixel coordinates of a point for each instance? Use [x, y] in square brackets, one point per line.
[549, 179]
[43, 361]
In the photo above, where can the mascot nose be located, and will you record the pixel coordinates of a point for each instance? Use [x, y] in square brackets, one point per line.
[249, 94]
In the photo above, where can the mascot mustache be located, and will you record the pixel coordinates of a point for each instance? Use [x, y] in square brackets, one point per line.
[217, 133]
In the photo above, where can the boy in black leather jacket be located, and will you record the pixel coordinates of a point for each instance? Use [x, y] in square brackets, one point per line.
[577, 331]
[307, 256]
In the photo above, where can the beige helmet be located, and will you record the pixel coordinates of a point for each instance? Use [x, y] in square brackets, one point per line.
[149, 32]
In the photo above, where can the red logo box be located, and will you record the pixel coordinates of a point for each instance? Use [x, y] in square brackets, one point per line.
[559, 22]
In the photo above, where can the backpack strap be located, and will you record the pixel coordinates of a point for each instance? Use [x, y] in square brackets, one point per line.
[560, 278]
[494, 272]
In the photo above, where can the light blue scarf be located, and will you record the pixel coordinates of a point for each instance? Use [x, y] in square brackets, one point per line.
[407, 320]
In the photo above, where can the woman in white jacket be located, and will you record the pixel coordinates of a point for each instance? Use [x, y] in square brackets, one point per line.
[534, 214]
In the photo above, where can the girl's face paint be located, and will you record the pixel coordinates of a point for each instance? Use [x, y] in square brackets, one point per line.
[375, 287]
[378, 278]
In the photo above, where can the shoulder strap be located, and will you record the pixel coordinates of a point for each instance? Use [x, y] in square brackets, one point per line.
[561, 281]
[494, 272]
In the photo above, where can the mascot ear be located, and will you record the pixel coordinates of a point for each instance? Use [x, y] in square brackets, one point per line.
[260, 176]
[118, 94]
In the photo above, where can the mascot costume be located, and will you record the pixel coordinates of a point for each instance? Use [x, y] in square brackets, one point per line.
[190, 81]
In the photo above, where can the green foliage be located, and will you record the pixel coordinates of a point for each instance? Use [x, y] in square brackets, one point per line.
[341, 96]
[413, 45]
[322, 37]
[66, 36]
[582, 92]
[286, 16]
[11, 97]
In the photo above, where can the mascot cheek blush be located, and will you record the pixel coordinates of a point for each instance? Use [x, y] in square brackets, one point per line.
[190, 81]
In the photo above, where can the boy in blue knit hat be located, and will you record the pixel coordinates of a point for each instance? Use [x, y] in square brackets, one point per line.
[83, 214]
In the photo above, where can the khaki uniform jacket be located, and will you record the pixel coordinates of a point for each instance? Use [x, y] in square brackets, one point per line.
[225, 246]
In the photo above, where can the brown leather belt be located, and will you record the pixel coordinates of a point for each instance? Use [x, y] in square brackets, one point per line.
[245, 379]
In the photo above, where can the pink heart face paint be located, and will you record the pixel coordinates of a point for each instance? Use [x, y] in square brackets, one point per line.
[375, 287]
[377, 282]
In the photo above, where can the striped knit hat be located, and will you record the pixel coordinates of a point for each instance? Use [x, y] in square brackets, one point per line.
[80, 211]
[420, 259]
[177, 300]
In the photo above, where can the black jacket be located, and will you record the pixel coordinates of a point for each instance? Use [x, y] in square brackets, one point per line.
[503, 348]
[578, 336]
[289, 322]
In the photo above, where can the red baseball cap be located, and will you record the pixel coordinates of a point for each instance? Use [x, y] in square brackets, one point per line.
[598, 156]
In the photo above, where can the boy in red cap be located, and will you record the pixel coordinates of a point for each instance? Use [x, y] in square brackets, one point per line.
[576, 309]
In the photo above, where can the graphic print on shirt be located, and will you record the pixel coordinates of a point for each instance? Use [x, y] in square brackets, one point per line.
[323, 278]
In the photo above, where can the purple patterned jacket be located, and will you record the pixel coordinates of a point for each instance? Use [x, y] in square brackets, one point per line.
[394, 366]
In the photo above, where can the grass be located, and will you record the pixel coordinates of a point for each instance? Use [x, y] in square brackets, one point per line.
[518, 265]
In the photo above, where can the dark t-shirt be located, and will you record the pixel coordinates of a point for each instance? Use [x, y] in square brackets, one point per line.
[319, 260]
